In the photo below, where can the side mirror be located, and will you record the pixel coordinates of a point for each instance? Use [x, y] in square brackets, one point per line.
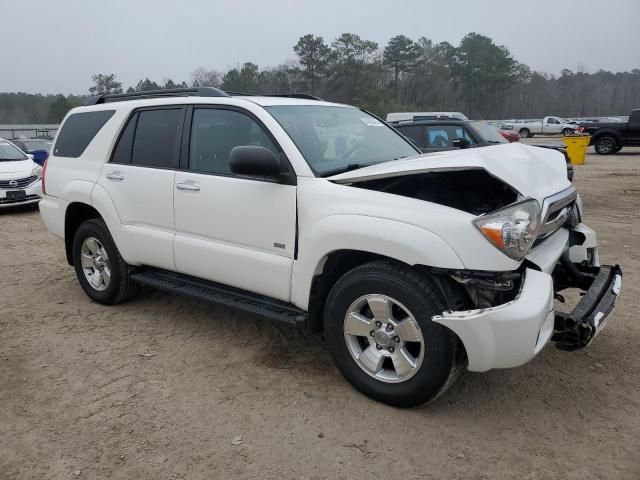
[460, 142]
[254, 161]
[30, 155]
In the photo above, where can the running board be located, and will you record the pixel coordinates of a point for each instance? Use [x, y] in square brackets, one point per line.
[212, 292]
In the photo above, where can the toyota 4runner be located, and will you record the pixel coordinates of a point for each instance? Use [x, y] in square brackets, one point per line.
[320, 215]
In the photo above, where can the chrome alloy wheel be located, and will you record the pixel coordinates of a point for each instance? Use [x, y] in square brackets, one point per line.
[95, 264]
[384, 338]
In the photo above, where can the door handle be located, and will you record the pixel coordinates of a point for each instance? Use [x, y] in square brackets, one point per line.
[190, 187]
[115, 176]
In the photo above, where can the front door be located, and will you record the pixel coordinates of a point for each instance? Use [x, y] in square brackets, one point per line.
[232, 230]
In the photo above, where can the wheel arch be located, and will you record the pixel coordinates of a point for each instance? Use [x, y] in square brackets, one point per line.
[606, 133]
[76, 214]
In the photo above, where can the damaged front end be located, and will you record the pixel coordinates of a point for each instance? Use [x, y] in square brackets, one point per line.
[601, 287]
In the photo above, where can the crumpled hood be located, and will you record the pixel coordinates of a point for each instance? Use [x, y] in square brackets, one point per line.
[14, 169]
[532, 171]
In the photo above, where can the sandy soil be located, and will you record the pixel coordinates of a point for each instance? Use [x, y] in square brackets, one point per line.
[165, 387]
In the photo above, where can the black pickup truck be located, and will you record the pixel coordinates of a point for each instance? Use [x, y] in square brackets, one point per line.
[608, 138]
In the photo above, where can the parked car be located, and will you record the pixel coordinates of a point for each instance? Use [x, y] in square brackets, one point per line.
[37, 147]
[509, 135]
[440, 135]
[608, 138]
[416, 116]
[19, 177]
[547, 126]
[320, 215]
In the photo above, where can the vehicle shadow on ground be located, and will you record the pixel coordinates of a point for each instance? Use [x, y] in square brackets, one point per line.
[19, 210]
[302, 356]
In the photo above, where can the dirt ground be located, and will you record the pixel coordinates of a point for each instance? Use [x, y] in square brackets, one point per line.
[165, 387]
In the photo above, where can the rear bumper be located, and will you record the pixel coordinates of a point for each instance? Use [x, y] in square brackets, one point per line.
[53, 211]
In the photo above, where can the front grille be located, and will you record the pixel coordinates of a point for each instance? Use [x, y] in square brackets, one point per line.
[7, 201]
[556, 210]
[20, 182]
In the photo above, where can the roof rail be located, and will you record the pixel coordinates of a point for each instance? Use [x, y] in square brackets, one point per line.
[304, 96]
[168, 92]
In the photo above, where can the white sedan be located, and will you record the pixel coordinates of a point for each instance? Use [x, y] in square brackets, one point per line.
[20, 177]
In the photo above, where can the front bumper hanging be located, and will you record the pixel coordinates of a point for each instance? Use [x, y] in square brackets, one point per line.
[577, 329]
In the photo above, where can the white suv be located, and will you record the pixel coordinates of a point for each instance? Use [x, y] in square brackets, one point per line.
[321, 215]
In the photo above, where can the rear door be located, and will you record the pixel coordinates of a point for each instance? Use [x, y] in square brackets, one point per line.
[140, 180]
[229, 229]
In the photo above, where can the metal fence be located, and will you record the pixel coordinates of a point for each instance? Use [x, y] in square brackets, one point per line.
[28, 131]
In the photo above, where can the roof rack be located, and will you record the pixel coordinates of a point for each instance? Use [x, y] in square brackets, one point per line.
[168, 92]
[303, 96]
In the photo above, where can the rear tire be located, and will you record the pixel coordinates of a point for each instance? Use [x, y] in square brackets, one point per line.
[390, 366]
[101, 270]
[525, 133]
[568, 131]
[605, 145]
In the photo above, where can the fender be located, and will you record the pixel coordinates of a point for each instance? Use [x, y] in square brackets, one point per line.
[77, 191]
[404, 242]
[101, 201]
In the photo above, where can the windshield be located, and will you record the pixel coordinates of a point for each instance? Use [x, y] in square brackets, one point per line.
[8, 152]
[333, 139]
[489, 133]
[37, 145]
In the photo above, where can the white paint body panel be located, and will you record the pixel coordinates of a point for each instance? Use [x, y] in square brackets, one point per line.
[237, 232]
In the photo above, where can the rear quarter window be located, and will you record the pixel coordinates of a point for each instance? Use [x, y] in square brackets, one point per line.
[78, 131]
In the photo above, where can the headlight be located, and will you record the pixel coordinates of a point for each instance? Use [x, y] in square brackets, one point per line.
[37, 171]
[512, 229]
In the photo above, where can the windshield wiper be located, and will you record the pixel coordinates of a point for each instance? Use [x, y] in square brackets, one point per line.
[348, 168]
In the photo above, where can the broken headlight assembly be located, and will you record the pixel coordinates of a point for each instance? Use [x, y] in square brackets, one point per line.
[512, 229]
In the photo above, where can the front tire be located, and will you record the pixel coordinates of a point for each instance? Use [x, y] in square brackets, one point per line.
[379, 332]
[605, 145]
[101, 270]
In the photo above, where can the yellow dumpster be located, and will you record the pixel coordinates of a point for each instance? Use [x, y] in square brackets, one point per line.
[577, 147]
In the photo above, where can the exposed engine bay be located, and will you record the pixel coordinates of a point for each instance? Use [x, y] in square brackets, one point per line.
[473, 191]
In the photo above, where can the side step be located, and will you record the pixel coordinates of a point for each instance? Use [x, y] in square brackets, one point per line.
[221, 294]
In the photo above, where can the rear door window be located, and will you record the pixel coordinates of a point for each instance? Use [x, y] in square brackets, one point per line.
[78, 131]
[156, 139]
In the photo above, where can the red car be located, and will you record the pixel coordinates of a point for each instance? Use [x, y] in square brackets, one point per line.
[510, 135]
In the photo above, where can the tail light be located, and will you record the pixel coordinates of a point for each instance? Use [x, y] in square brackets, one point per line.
[580, 129]
[44, 171]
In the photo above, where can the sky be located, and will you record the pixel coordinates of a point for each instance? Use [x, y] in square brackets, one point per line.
[55, 46]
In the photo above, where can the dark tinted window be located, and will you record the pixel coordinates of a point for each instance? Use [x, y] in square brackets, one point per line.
[215, 132]
[414, 133]
[122, 152]
[155, 142]
[78, 131]
[440, 136]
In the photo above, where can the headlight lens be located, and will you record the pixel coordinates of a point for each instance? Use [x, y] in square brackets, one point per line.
[37, 171]
[512, 229]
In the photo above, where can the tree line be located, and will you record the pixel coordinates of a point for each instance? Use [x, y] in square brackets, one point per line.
[476, 77]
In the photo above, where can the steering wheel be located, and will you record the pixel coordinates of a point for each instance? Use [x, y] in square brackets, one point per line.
[356, 148]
